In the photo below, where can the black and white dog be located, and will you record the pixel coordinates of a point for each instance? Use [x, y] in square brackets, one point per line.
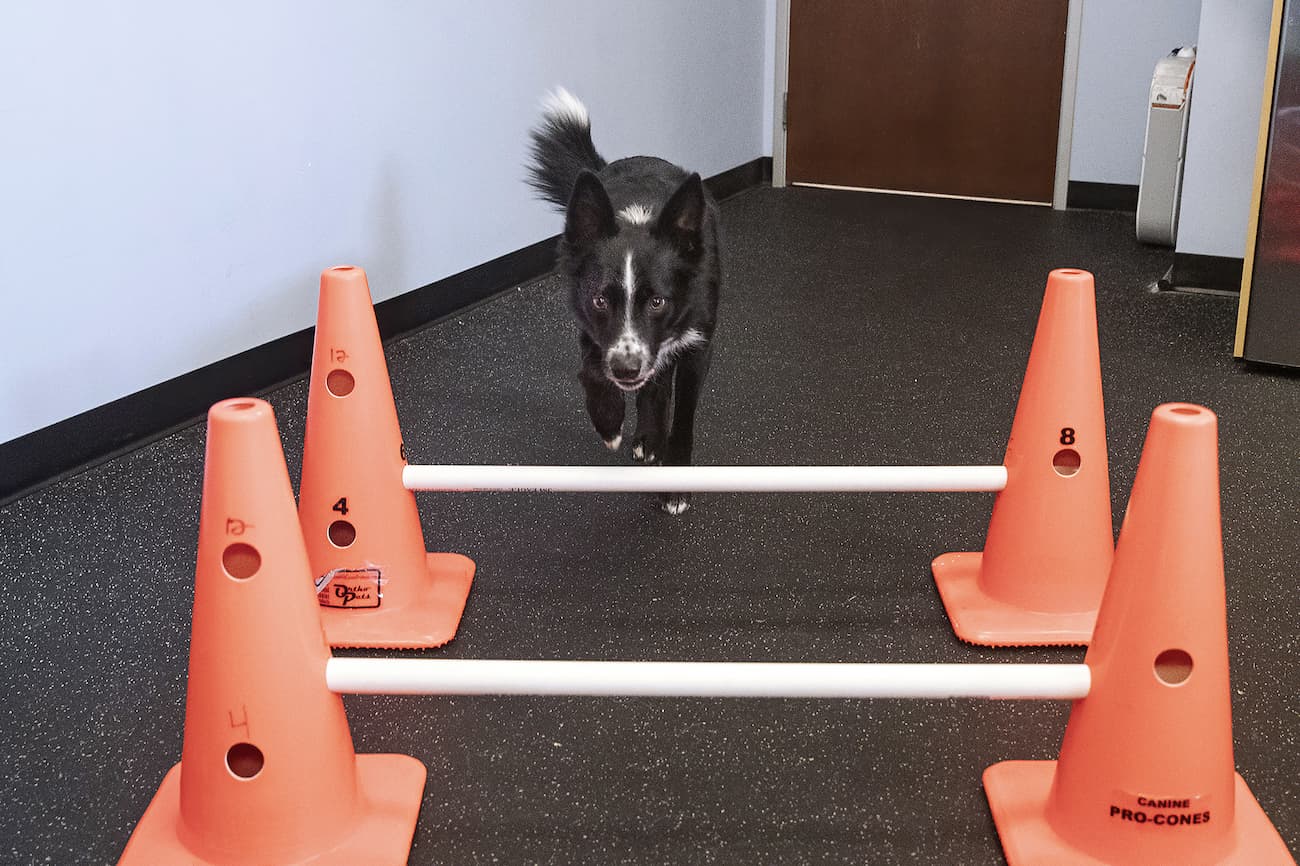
[640, 253]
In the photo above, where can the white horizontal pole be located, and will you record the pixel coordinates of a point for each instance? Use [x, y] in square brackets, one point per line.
[706, 479]
[389, 676]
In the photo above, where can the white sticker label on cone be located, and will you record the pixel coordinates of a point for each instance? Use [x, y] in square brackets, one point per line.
[350, 588]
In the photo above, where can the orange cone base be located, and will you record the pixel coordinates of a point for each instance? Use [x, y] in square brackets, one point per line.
[427, 618]
[391, 787]
[1017, 793]
[980, 619]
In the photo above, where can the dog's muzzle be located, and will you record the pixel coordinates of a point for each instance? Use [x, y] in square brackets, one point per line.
[628, 364]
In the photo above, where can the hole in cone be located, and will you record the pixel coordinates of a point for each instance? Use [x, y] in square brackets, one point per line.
[1173, 666]
[241, 406]
[1066, 462]
[343, 268]
[340, 383]
[244, 760]
[342, 533]
[1070, 272]
[1186, 410]
[241, 561]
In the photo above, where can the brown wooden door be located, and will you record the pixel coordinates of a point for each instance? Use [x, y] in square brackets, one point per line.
[959, 97]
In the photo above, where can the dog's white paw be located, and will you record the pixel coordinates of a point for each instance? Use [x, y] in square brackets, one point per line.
[675, 505]
[612, 444]
[641, 455]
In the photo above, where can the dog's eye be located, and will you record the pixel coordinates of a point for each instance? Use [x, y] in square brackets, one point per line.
[600, 302]
[657, 302]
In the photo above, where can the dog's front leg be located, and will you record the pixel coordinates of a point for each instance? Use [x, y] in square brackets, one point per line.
[692, 367]
[652, 418]
[605, 403]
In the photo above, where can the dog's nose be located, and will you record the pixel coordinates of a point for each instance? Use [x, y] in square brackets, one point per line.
[625, 368]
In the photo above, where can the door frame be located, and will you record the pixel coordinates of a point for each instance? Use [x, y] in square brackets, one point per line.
[1065, 125]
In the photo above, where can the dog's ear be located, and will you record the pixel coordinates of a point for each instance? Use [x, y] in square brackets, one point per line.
[682, 220]
[590, 216]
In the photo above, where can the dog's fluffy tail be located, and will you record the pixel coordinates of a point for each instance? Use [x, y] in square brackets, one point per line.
[561, 148]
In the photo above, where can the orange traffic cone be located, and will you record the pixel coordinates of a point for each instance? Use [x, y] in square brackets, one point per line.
[376, 585]
[1040, 577]
[1146, 774]
[267, 771]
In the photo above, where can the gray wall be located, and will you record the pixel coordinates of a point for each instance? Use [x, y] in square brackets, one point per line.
[1119, 44]
[1223, 130]
[769, 73]
[175, 176]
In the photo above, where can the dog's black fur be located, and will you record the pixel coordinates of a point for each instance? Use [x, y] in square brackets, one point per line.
[640, 252]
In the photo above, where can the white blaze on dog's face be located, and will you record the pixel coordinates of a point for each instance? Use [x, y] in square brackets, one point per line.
[627, 362]
[631, 275]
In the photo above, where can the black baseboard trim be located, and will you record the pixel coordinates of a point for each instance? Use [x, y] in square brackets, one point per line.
[1190, 272]
[44, 456]
[745, 176]
[1101, 196]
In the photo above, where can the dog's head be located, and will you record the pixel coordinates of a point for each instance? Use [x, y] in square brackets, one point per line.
[632, 274]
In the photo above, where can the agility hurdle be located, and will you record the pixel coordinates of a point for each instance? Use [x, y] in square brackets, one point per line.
[705, 479]
[268, 750]
[368, 676]
[1038, 580]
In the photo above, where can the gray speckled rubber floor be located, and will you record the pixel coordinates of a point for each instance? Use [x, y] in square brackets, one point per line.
[855, 329]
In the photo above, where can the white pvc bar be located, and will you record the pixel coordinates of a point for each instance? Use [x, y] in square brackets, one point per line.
[389, 676]
[706, 479]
